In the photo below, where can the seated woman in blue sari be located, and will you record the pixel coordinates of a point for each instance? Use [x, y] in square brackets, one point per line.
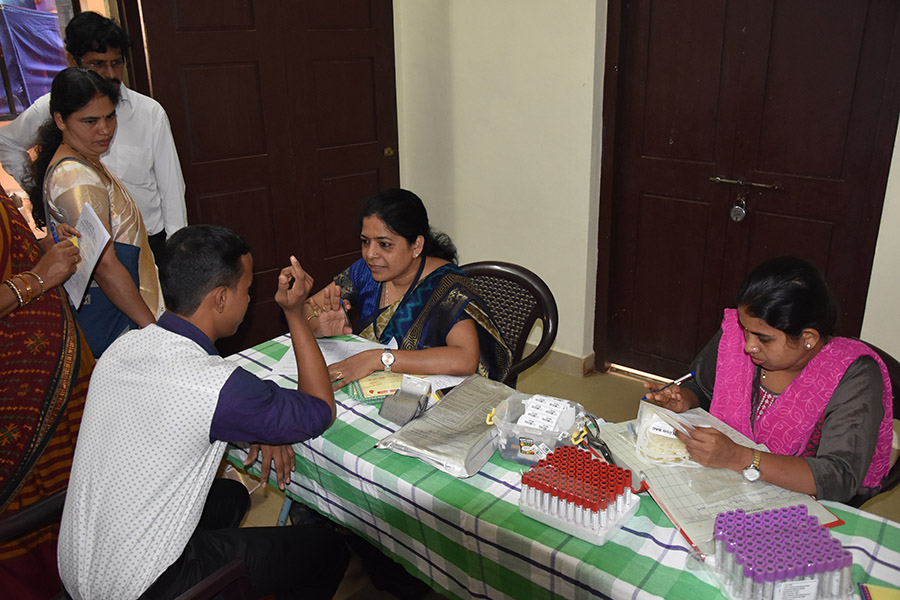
[408, 288]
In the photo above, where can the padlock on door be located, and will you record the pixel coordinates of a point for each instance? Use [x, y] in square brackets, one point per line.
[739, 210]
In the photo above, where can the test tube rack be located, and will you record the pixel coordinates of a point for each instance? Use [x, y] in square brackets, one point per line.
[574, 492]
[781, 553]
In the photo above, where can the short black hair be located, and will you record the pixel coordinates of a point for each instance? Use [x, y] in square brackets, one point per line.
[92, 32]
[198, 259]
[790, 295]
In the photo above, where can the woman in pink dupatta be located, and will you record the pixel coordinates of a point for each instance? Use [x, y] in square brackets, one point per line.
[775, 372]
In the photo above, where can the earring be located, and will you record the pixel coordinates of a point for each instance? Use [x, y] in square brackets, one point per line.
[808, 346]
[415, 255]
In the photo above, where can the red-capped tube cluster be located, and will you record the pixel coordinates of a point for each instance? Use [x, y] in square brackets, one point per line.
[570, 484]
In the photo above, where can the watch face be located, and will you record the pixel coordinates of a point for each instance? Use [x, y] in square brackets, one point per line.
[387, 358]
[750, 473]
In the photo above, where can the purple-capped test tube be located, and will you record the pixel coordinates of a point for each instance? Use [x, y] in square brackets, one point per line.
[768, 589]
[719, 536]
[846, 574]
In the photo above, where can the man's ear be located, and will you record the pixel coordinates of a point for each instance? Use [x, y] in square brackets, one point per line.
[220, 297]
[73, 62]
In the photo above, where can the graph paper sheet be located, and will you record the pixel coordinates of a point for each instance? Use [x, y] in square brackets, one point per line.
[692, 496]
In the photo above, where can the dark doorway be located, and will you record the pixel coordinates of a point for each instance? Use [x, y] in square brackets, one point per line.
[792, 105]
[285, 118]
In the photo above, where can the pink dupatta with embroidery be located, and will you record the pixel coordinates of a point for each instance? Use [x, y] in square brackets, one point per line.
[786, 426]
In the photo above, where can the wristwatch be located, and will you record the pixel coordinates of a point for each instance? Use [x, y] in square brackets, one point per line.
[751, 472]
[387, 359]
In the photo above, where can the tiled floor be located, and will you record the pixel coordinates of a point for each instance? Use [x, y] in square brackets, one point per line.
[610, 396]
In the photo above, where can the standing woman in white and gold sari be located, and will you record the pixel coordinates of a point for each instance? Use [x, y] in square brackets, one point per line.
[66, 175]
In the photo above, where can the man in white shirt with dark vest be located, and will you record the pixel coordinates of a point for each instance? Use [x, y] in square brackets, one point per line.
[142, 154]
[144, 516]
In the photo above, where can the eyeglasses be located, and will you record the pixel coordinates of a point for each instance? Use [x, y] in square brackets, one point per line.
[97, 65]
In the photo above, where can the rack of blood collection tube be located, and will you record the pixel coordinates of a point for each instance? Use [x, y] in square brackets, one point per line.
[576, 493]
[782, 553]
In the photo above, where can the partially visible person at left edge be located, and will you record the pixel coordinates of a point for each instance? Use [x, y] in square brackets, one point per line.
[142, 154]
[45, 365]
[144, 516]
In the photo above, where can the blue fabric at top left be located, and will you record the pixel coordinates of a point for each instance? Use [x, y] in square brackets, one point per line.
[33, 52]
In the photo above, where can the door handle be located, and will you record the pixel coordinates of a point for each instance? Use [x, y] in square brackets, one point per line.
[768, 186]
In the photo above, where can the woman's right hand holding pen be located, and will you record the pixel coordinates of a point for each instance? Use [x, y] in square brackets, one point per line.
[675, 398]
[60, 260]
[329, 312]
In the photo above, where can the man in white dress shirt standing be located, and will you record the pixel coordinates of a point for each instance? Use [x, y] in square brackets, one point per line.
[142, 154]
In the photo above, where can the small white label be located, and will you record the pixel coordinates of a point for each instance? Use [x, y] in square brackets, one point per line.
[664, 429]
[541, 450]
[796, 590]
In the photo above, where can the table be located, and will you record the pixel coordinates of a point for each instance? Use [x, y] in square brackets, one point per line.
[467, 539]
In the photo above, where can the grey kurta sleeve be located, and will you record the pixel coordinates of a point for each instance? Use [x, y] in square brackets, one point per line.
[849, 431]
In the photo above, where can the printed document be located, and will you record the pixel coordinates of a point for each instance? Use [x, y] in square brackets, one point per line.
[93, 240]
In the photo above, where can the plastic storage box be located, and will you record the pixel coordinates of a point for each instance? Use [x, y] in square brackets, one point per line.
[531, 426]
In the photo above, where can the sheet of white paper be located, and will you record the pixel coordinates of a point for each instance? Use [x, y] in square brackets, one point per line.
[332, 349]
[439, 382]
[93, 240]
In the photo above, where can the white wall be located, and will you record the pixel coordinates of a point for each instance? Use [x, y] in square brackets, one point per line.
[499, 116]
[497, 112]
[881, 323]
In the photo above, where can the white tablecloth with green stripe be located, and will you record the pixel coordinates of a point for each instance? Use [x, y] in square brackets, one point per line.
[467, 539]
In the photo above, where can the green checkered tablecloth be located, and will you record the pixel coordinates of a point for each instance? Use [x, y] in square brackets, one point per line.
[467, 539]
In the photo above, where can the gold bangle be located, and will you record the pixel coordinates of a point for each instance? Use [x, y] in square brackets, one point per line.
[15, 290]
[40, 281]
[315, 315]
[27, 286]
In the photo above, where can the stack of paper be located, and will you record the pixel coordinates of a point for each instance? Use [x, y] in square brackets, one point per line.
[692, 496]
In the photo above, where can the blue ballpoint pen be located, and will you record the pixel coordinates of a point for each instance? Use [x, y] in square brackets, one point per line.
[52, 229]
[678, 381]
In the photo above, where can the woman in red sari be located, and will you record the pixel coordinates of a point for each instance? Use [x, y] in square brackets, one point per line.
[45, 366]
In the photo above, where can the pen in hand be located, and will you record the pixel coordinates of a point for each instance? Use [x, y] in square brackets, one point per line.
[678, 381]
[346, 316]
[52, 229]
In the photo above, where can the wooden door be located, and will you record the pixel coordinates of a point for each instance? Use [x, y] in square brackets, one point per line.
[284, 114]
[797, 101]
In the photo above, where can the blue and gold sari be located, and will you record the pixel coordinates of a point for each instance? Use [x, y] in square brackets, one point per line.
[423, 318]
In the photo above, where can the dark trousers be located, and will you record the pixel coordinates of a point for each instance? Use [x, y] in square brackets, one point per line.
[157, 244]
[300, 561]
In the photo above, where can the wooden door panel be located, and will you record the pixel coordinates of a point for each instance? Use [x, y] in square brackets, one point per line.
[681, 125]
[668, 233]
[213, 15]
[786, 93]
[661, 275]
[819, 63]
[281, 113]
[819, 90]
[346, 130]
[227, 128]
